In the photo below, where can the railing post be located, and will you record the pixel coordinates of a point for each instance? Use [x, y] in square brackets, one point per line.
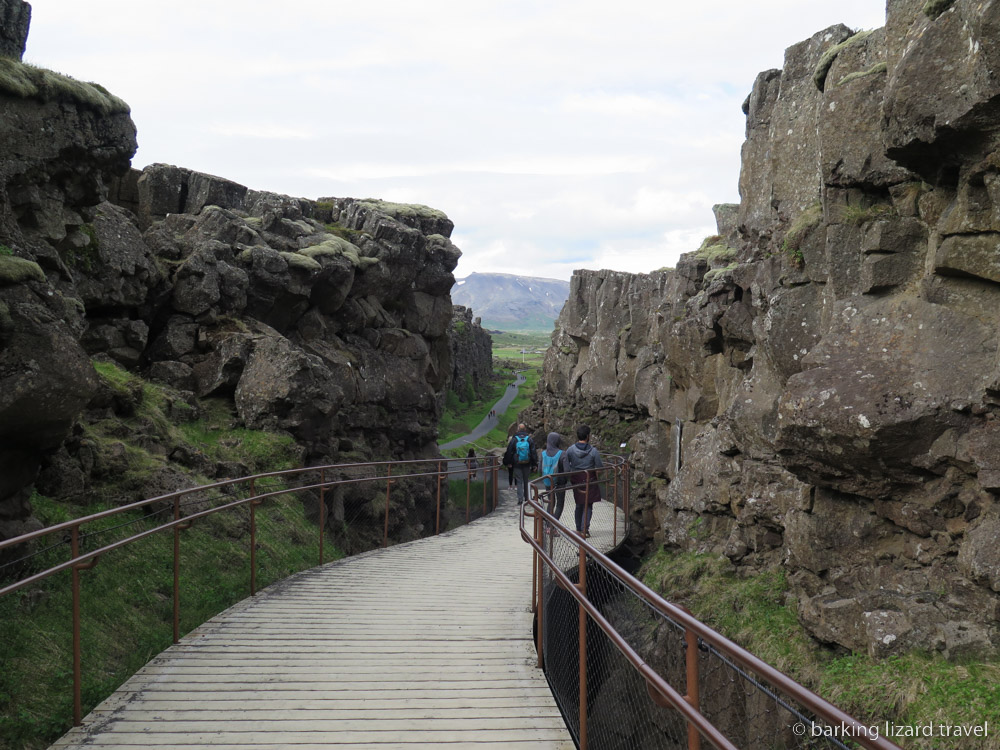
[485, 474]
[468, 490]
[582, 585]
[496, 482]
[253, 539]
[77, 667]
[539, 586]
[691, 642]
[322, 512]
[388, 484]
[177, 570]
[437, 528]
[614, 534]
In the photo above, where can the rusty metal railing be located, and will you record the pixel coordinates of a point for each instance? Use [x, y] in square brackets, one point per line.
[631, 670]
[188, 506]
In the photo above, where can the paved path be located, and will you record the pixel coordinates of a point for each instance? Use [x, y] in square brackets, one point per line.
[488, 422]
[412, 647]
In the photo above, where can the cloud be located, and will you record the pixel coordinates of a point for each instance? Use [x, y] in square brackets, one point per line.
[260, 130]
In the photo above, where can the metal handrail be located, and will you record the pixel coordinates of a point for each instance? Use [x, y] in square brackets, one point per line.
[687, 705]
[80, 561]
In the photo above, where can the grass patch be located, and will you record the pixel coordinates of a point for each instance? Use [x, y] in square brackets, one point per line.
[508, 345]
[127, 606]
[912, 689]
[497, 437]
[29, 82]
[858, 215]
[460, 418]
[260, 451]
[808, 220]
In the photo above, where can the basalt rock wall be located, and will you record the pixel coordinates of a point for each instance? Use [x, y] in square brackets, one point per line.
[325, 319]
[817, 387]
[471, 352]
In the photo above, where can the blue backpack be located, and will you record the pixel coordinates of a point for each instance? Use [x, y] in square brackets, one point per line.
[523, 449]
[549, 466]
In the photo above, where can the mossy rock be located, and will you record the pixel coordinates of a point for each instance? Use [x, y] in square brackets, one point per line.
[715, 250]
[28, 82]
[301, 262]
[404, 210]
[826, 60]
[875, 69]
[333, 246]
[15, 270]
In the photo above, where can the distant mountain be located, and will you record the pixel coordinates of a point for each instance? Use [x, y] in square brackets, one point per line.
[512, 303]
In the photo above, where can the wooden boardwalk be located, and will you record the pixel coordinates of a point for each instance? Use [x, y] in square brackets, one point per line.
[423, 645]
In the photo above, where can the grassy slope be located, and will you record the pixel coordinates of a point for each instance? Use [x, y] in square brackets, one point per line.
[127, 599]
[914, 689]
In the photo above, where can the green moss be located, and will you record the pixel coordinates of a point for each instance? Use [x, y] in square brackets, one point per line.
[875, 69]
[715, 250]
[15, 270]
[301, 262]
[332, 246]
[826, 60]
[715, 273]
[28, 82]
[404, 210]
[5, 251]
[934, 8]
[5, 319]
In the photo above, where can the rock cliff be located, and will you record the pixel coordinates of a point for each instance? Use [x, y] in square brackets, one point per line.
[471, 353]
[816, 388]
[324, 319]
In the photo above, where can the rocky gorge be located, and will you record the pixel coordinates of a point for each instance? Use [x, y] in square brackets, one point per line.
[323, 320]
[816, 388]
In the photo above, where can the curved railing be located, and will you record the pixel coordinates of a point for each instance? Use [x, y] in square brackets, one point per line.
[187, 506]
[631, 670]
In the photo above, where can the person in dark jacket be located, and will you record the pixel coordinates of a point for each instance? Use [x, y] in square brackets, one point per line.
[583, 460]
[521, 455]
[552, 464]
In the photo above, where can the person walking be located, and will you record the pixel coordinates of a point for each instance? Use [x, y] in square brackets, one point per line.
[552, 464]
[472, 464]
[522, 458]
[583, 460]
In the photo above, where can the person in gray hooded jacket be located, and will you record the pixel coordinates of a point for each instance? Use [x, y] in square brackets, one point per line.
[583, 459]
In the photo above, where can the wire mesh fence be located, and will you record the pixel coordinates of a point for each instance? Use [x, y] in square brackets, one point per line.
[630, 671]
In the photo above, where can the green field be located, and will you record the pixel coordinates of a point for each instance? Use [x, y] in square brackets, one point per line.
[509, 345]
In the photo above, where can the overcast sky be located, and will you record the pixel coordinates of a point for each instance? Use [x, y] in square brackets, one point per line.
[556, 134]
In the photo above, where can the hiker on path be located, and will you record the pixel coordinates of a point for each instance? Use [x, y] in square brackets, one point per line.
[552, 463]
[472, 463]
[582, 461]
[521, 456]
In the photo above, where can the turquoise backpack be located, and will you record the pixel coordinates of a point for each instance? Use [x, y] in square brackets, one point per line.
[549, 466]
